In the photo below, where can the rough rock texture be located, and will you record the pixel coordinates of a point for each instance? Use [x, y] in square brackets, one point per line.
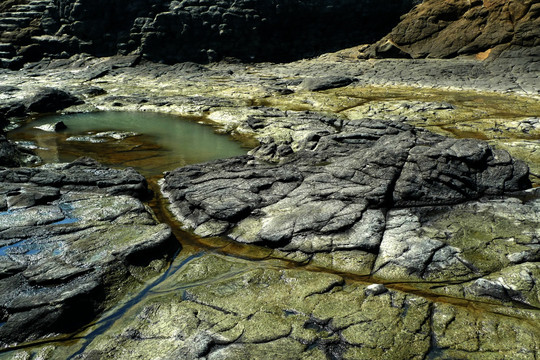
[337, 184]
[72, 239]
[219, 307]
[173, 31]
[40, 100]
[431, 280]
[442, 29]
[22, 22]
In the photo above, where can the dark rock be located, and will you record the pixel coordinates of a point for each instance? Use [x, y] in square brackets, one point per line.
[51, 100]
[72, 237]
[341, 186]
[325, 83]
[209, 31]
[8, 153]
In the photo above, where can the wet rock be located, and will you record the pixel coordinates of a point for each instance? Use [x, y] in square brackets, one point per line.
[73, 237]
[50, 100]
[56, 127]
[314, 315]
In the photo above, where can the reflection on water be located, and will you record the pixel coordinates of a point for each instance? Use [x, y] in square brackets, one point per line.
[149, 142]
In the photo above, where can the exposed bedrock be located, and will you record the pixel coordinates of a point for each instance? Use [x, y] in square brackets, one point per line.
[345, 192]
[442, 29]
[200, 30]
[73, 238]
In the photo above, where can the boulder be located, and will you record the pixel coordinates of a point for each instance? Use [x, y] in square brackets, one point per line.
[50, 100]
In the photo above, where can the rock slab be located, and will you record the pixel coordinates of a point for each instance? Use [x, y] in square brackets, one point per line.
[72, 238]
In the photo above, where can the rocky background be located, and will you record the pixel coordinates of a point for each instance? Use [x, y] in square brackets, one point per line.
[278, 30]
[195, 30]
[443, 29]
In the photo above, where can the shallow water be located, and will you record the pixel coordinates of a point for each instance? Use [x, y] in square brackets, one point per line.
[151, 143]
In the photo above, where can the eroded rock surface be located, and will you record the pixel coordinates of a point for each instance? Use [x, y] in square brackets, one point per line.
[461, 27]
[335, 180]
[73, 237]
[219, 308]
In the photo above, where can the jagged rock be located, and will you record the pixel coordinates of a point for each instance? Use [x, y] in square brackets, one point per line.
[72, 238]
[446, 29]
[174, 31]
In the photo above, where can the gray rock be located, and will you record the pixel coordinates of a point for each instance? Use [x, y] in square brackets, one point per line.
[73, 237]
[326, 197]
[51, 100]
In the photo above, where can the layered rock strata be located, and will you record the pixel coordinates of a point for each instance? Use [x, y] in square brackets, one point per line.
[446, 29]
[73, 238]
[173, 31]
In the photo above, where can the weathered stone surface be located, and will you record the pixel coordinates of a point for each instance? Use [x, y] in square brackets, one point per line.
[73, 237]
[334, 193]
[473, 264]
[254, 311]
[173, 31]
[50, 100]
[445, 29]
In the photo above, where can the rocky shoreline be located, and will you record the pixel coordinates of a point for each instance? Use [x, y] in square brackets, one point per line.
[389, 207]
[372, 220]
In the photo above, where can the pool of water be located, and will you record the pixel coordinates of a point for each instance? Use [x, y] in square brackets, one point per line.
[149, 142]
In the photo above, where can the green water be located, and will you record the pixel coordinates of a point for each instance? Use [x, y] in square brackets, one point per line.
[156, 143]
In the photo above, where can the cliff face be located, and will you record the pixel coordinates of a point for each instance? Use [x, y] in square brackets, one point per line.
[442, 29]
[202, 30]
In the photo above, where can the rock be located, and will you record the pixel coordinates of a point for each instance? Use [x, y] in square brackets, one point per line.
[56, 127]
[73, 237]
[332, 195]
[375, 289]
[313, 315]
[325, 83]
[51, 100]
[8, 153]
[461, 27]
[178, 31]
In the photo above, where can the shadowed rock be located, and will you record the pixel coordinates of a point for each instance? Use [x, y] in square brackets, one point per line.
[51, 100]
[73, 237]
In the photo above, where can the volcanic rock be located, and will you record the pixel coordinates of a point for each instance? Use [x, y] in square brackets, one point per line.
[73, 237]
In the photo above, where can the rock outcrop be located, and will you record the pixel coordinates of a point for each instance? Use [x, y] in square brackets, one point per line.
[443, 29]
[73, 237]
[192, 30]
[334, 192]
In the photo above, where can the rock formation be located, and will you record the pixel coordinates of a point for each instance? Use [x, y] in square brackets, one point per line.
[73, 237]
[443, 29]
[192, 30]
[334, 192]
